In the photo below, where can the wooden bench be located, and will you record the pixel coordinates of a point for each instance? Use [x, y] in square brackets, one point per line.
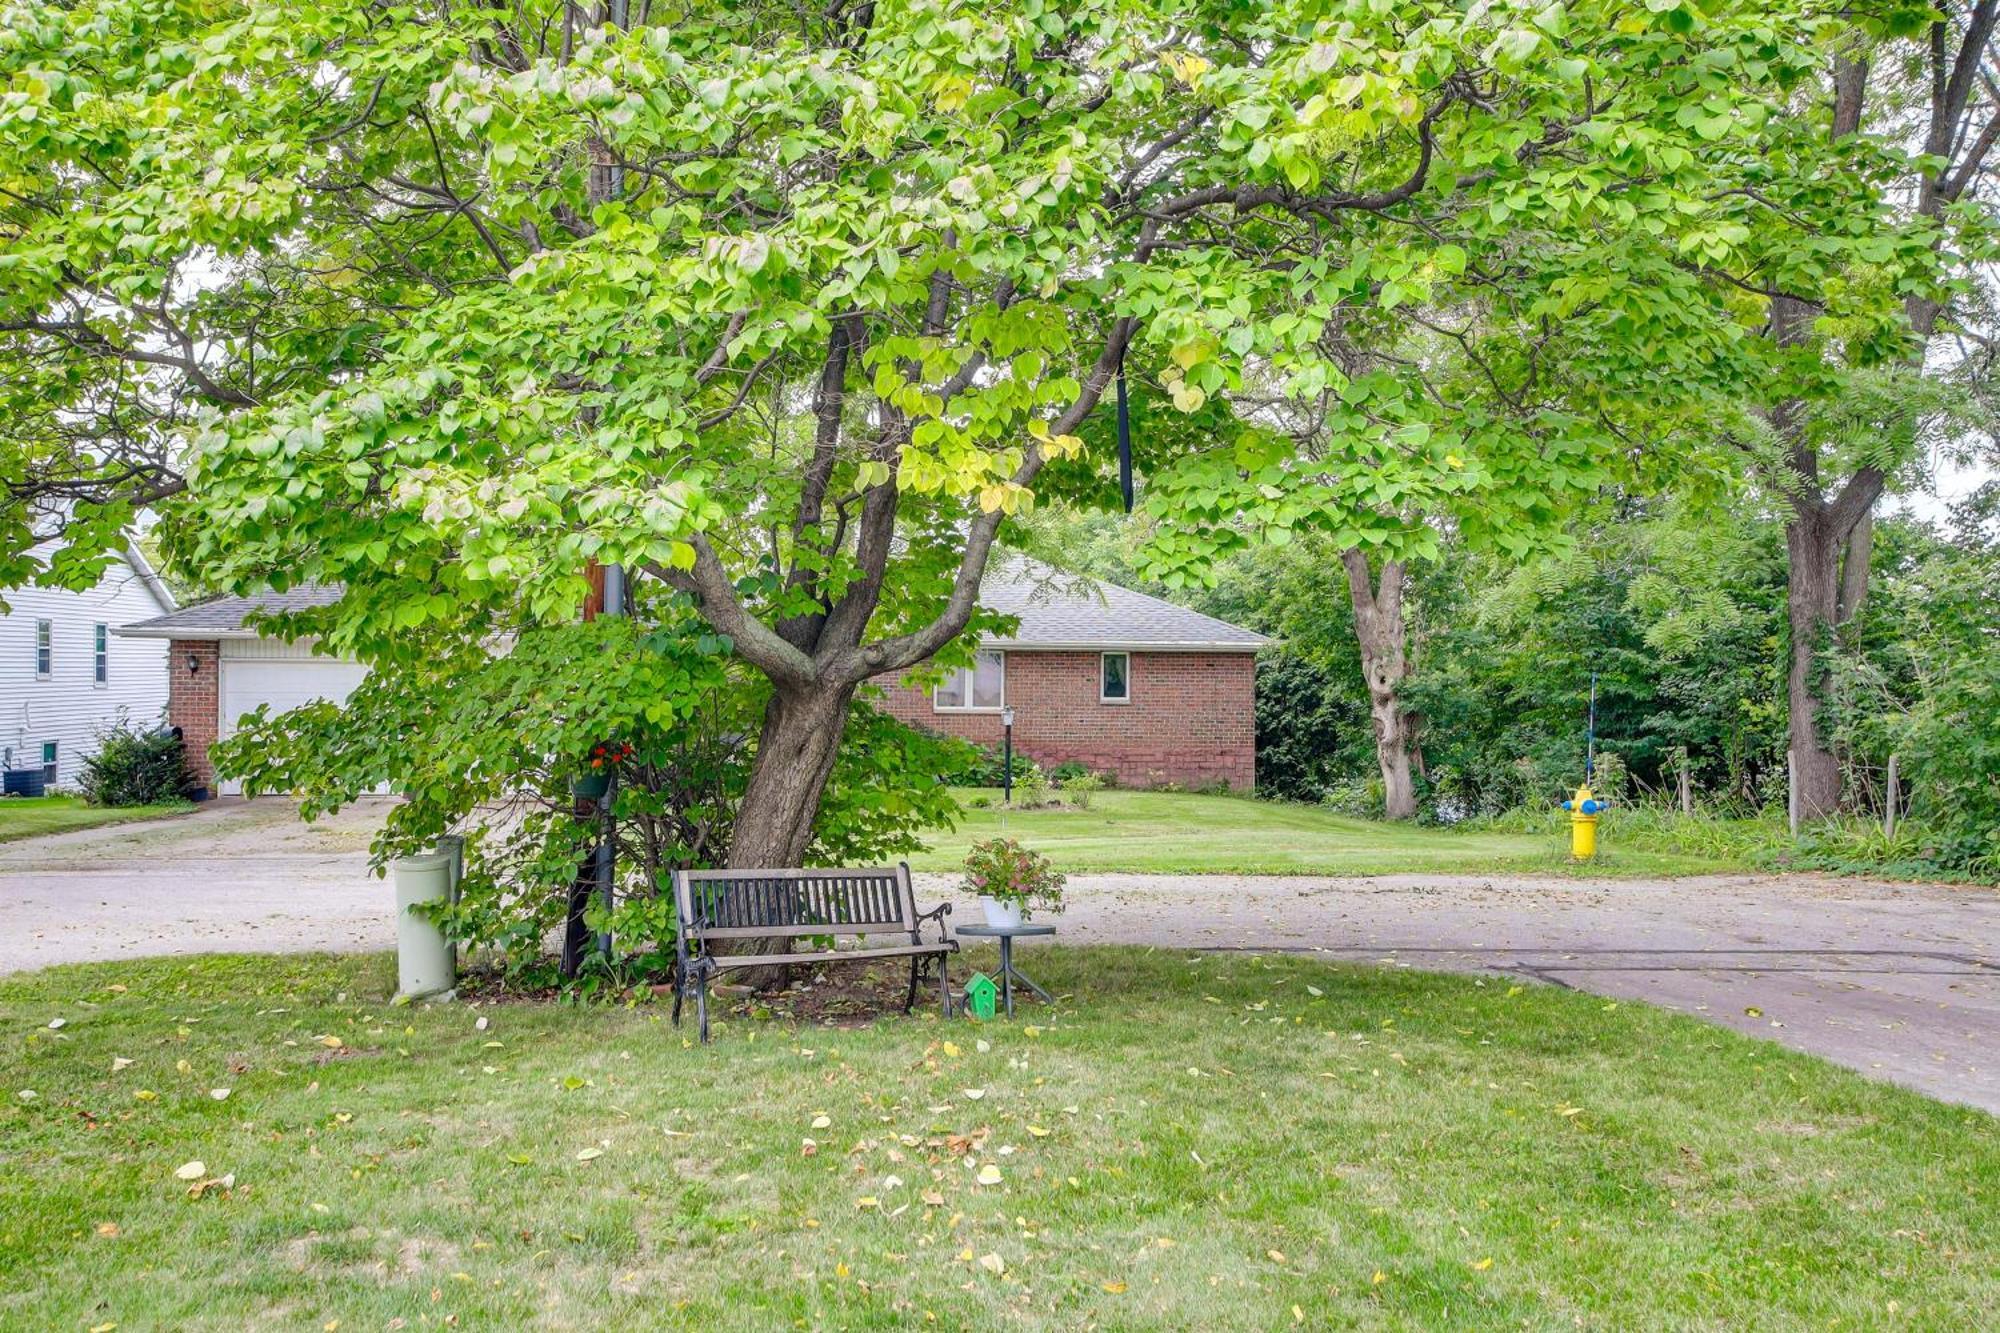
[800, 907]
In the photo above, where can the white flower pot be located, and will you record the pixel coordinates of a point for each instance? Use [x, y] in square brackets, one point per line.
[1006, 915]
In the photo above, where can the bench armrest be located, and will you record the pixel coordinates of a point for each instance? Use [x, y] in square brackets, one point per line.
[937, 914]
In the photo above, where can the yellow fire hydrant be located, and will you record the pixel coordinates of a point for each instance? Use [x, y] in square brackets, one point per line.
[1583, 808]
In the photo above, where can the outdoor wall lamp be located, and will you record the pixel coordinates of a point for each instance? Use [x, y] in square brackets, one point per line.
[194, 663]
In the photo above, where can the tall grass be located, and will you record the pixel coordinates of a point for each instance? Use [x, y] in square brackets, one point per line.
[1845, 844]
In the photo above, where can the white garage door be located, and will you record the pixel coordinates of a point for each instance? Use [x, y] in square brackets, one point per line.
[281, 684]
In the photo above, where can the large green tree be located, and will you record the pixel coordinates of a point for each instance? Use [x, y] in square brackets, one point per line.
[1919, 78]
[787, 307]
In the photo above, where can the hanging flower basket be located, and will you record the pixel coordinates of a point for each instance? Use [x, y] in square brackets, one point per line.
[596, 779]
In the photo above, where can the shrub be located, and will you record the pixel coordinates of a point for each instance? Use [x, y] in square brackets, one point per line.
[987, 769]
[133, 767]
[1068, 771]
[1003, 869]
[1081, 788]
[1031, 788]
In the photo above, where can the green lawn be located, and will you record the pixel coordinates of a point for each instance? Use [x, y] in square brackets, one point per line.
[1185, 1142]
[1178, 833]
[27, 816]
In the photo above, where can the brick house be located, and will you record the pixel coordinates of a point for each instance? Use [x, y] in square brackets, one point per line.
[1101, 675]
[1093, 672]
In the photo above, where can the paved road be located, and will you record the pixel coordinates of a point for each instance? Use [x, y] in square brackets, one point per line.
[1898, 981]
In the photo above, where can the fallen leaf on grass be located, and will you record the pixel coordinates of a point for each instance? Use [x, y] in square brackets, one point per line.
[1038, 1131]
[989, 1174]
[1483, 1265]
[55, 1023]
[1277, 1256]
[589, 1154]
[993, 1264]
[145, 1095]
[974, 1094]
[194, 1170]
[822, 1122]
[1115, 1288]
[119, 1062]
[220, 1094]
[867, 1201]
[932, 1199]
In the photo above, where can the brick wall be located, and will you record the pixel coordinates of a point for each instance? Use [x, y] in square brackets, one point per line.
[1191, 719]
[192, 704]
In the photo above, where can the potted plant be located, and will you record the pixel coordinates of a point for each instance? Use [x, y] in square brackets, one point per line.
[1011, 881]
[596, 779]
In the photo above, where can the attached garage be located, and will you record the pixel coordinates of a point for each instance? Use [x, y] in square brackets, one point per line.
[219, 669]
[269, 673]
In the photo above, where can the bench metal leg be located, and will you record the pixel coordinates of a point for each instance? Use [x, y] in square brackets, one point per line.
[680, 994]
[916, 966]
[944, 982]
[701, 1007]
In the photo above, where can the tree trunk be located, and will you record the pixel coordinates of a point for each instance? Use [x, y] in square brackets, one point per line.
[1812, 607]
[795, 753]
[1378, 626]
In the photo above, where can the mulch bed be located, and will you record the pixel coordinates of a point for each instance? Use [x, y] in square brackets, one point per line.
[842, 996]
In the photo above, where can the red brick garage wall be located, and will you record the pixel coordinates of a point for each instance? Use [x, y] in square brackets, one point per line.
[1192, 717]
[192, 703]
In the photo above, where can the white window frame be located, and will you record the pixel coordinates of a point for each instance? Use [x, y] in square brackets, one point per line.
[966, 675]
[100, 655]
[51, 762]
[1104, 698]
[45, 649]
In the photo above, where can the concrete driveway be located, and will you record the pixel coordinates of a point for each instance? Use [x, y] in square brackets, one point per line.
[1898, 981]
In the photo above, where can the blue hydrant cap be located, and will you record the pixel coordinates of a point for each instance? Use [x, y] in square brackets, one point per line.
[1566, 805]
[1591, 807]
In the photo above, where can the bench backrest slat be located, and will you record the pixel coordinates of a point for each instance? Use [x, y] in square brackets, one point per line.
[788, 904]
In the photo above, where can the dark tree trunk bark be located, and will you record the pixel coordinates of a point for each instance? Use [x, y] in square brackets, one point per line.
[1378, 626]
[774, 821]
[795, 754]
[1811, 608]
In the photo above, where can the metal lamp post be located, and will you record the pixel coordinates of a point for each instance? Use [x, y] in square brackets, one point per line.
[1007, 754]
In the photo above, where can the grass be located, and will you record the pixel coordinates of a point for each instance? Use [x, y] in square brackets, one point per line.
[31, 816]
[1187, 1141]
[1180, 833]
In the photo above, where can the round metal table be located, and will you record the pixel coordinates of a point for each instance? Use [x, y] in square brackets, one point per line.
[1009, 974]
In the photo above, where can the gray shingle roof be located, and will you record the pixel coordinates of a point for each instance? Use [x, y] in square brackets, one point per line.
[222, 617]
[1058, 609]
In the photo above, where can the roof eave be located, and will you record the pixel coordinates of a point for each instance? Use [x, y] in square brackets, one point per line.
[1122, 646]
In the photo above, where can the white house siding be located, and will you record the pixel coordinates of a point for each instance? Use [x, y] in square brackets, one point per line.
[70, 708]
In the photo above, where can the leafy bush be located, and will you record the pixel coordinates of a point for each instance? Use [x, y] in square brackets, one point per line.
[1031, 788]
[1001, 868]
[985, 768]
[1068, 771]
[133, 767]
[1081, 788]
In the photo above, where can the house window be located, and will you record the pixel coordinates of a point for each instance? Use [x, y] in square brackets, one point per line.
[49, 763]
[1114, 678]
[980, 688]
[44, 648]
[102, 666]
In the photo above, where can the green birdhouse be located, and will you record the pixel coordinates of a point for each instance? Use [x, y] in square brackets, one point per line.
[982, 994]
